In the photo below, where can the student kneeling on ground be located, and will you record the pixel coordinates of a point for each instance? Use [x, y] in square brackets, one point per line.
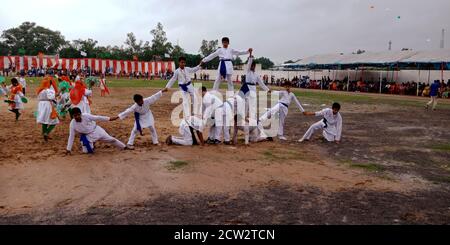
[85, 125]
[188, 128]
[331, 124]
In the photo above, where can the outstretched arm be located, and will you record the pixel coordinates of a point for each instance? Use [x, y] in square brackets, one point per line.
[211, 56]
[97, 118]
[172, 80]
[238, 53]
[152, 99]
[262, 85]
[299, 105]
[194, 69]
[126, 113]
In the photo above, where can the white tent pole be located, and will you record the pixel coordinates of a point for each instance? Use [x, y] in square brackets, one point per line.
[381, 79]
[348, 80]
[418, 81]
[429, 75]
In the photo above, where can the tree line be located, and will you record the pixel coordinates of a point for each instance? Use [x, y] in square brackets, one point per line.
[31, 39]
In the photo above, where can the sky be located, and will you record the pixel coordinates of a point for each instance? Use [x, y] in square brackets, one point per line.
[280, 30]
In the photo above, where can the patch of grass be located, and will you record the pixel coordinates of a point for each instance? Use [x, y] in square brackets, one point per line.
[441, 147]
[174, 165]
[371, 167]
[286, 155]
[441, 179]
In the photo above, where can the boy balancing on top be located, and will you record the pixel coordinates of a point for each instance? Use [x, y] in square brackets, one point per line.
[143, 117]
[331, 124]
[225, 70]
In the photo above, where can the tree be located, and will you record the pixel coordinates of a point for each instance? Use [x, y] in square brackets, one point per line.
[87, 46]
[134, 47]
[32, 39]
[160, 45]
[206, 49]
[266, 63]
[4, 49]
[238, 61]
[289, 62]
[177, 52]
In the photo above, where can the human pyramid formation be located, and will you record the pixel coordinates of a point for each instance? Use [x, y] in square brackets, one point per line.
[57, 99]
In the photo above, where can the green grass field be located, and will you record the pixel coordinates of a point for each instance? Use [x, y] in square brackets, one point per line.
[309, 96]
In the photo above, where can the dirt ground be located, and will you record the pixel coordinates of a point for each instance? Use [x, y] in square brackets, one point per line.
[392, 167]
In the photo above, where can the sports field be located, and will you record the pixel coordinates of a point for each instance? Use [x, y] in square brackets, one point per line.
[392, 167]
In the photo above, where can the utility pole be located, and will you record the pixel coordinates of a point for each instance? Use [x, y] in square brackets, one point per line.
[390, 45]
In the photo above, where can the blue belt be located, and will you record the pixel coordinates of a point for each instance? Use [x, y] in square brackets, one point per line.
[223, 68]
[138, 123]
[325, 122]
[245, 89]
[287, 106]
[86, 143]
[184, 87]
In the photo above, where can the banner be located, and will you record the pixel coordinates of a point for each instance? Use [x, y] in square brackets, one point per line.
[25, 63]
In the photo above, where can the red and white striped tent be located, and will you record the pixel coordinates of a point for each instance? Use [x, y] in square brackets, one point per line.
[27, 62]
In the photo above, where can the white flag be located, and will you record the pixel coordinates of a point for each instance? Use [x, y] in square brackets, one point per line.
[84, 54]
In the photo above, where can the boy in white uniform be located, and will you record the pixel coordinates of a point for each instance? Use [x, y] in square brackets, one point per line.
[226, 118]
[225, 71]
[211, 101]
[143, 117]
[248, 90]
[331, 124]
[85, 125]
[251, 80]
[188, 128]
[183, 76]
[282, 109]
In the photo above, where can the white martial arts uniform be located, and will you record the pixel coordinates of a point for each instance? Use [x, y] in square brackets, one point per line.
[224, 120]
[186, 135]
[93, 132]
[225, 55]
[251, 80]
[211, 102]
[146, 119]
[281, 108]
[249, 92]
[251, 134]
[331, 125]
[84, 102]
[45, 107]
[183, 76]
